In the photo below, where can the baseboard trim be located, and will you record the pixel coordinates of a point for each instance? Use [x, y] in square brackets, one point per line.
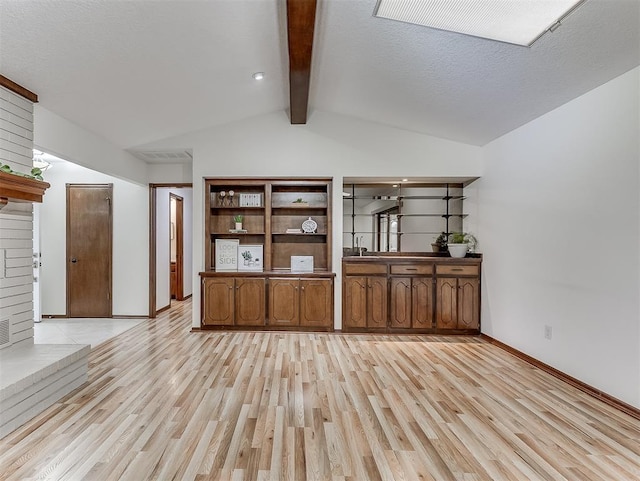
[162, 309]
[122, 316]
[586, 388]
[54, 316]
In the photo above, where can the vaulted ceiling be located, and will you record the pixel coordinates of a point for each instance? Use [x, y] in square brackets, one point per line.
[139, 71]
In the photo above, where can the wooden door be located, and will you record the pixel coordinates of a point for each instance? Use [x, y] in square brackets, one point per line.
[250, 302]
[422, 303]
[447, 303]
[89, 250]
[468, 303]
[354, 302]
[316, 306]
[377, 302]
[400, 313]
[218, 297]
[179, 236]
[284, 300]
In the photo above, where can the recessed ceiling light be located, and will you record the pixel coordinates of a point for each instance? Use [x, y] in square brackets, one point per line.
[520, 22]
[258, 75]
[405, 180]
[346, 194]
[394, 185]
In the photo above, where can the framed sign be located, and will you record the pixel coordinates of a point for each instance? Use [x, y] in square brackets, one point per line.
[227, 254]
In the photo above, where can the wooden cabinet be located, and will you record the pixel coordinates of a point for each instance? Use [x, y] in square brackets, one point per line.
[276, 215]
[412, 294]
[218, 295]
[229, 301]
[301, 303]
[364, 302]
[316, 303]
[284, 302]
[250, 301]
[458, 301]
[411, 303]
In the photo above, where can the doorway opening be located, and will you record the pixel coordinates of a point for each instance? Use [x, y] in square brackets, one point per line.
[170, 245]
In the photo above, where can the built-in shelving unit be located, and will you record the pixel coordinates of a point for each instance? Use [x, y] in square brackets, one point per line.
[276, 216]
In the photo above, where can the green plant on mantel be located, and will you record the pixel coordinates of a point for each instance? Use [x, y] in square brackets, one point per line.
[36, 173]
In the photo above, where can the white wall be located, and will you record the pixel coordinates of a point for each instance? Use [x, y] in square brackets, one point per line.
[328, 145]
[558, 219]
[130, 241]
[169, 173]
[62, 138]
[16, 222]
[163, 295]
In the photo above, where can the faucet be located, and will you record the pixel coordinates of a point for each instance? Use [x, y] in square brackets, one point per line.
[361, 247]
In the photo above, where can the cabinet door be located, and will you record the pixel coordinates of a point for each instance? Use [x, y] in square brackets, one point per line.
[468, 303]
[447, 303]
[422, 302]
[377, 302]
[284, 302]
[400, 315]
[218, 301]
[354, 302]
[250, 302]
[316, 306]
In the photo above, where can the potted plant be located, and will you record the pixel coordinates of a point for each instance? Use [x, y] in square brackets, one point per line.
[458, 244]
[440, 244]
[238, 220]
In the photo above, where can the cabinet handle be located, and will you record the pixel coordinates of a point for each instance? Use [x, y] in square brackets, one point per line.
[302, 288]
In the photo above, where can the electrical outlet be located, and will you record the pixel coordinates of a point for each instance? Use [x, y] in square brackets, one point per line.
[547, 332]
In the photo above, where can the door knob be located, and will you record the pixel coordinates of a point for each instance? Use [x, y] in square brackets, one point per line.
[74, 260]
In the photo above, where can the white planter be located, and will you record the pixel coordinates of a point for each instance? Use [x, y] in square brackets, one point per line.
[458, 250]
[238, 225]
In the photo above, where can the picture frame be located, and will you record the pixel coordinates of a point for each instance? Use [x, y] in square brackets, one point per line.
[251, 257]
[226, 255]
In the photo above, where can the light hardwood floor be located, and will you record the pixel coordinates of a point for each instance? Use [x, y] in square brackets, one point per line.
[169, 404]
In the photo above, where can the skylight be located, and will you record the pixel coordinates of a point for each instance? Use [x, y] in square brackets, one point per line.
[519, 22]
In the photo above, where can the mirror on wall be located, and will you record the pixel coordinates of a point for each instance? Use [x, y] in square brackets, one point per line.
[399, 217]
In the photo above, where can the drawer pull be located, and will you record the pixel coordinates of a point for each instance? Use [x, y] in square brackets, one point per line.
[457, 269]
[411, 269]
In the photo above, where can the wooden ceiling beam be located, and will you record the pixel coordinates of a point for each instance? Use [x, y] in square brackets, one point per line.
[301, 17]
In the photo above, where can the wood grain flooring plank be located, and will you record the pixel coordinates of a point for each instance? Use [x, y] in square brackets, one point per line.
[166, 403]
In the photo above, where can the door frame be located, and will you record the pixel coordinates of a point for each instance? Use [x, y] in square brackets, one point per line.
[68, 249]
[152, 239]
[179, 228]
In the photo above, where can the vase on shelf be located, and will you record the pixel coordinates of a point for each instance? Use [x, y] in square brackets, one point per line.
[238, 225]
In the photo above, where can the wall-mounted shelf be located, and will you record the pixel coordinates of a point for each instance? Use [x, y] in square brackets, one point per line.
[16, 188]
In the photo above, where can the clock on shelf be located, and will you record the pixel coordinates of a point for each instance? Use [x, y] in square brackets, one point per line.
[309, 226]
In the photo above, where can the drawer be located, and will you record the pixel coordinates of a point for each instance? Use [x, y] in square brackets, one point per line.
[457, 270]
[350, 269]
[413, 269]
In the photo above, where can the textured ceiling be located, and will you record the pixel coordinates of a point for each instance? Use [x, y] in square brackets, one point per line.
[139, 71]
